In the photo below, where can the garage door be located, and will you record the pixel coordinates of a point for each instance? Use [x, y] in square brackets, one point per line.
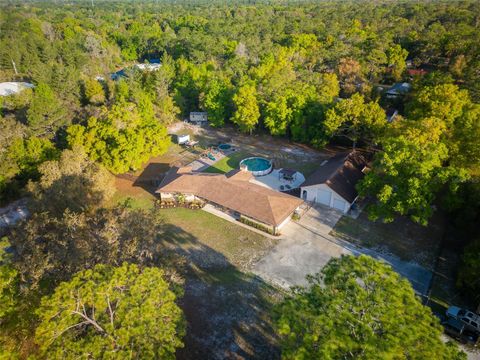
[323, 196]
[339, 204]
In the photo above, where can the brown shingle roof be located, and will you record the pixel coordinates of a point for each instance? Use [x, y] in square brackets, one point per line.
[234, 192]
[341, 173]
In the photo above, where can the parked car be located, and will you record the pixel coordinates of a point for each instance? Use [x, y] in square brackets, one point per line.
[458, 330]
[470, 319]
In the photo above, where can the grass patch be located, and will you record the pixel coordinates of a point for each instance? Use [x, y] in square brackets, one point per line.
[142, 200]
[403, 238]
[238, 246]
[228, 163]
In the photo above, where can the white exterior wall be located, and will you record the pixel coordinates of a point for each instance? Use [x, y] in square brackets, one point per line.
[165, 196]
[312, 194]
[284, 222]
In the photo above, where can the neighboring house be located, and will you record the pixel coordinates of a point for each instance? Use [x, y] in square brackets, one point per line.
[417, 72]
[233, 193]
[12, 88]
[198, 118]
[120, 74]
[333, 184]
[153, 65]
[397, 90]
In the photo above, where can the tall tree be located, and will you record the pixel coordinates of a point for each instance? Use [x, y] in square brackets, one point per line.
[19, 163]
[359, 308]
[73, 182]
[123, 137]
[409, 171]
[247, 112]
[396, 57]
[94, 91]
[215, 101]
[46, 114]
[350, 74]
[355, 119]
[52, 247]
[106, 312]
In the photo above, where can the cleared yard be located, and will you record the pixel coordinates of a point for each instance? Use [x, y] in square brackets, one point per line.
[228, 309]
[239, 246]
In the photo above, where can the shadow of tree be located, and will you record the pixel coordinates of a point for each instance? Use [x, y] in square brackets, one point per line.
[228, 311]
[151, 176]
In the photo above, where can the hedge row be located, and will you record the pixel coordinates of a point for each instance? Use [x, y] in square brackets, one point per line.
[256, 225]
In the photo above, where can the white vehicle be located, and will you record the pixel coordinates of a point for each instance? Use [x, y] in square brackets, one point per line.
[469, 318]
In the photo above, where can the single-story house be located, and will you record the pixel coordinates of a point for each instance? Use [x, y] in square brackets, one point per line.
[12, 88]
[333, 184]
[198, 118]
[233, 193]
[397, 90]
[151, 66]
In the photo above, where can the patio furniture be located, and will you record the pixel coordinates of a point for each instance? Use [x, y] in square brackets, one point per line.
[288, 174]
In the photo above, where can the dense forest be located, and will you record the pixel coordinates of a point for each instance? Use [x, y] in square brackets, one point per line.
[312, 72]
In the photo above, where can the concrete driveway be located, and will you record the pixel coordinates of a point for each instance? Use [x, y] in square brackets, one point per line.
[304, 249]
[306, 246]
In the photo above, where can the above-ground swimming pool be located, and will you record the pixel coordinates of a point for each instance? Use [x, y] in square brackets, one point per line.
[224, 146]
[256, 165]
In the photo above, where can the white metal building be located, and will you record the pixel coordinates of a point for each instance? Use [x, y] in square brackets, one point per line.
[198, 118]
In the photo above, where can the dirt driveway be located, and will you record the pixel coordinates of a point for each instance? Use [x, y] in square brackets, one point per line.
[307, 245]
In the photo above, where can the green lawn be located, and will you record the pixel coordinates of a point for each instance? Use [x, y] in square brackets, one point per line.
[228, 163]
[198, 232]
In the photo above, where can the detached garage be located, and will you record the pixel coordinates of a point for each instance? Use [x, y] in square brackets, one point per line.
[333, 184]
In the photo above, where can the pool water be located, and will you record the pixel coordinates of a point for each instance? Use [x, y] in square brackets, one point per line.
[224, 146]
[257, 165]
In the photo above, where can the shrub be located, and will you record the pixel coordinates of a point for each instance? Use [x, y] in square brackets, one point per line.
[257, 225]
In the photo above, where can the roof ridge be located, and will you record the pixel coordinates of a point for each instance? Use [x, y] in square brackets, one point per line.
[340, 166]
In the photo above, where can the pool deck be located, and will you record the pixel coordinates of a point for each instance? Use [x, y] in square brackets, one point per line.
[203, 163]
[274, 181]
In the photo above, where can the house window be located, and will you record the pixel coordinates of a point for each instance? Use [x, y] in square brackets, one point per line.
[304, 195]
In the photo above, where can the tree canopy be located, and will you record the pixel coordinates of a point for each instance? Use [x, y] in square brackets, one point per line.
[122, 313]
[121, 138]
[53, 248]
[359, 308]
[246, 113]
[73, 182]
[9, 284]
